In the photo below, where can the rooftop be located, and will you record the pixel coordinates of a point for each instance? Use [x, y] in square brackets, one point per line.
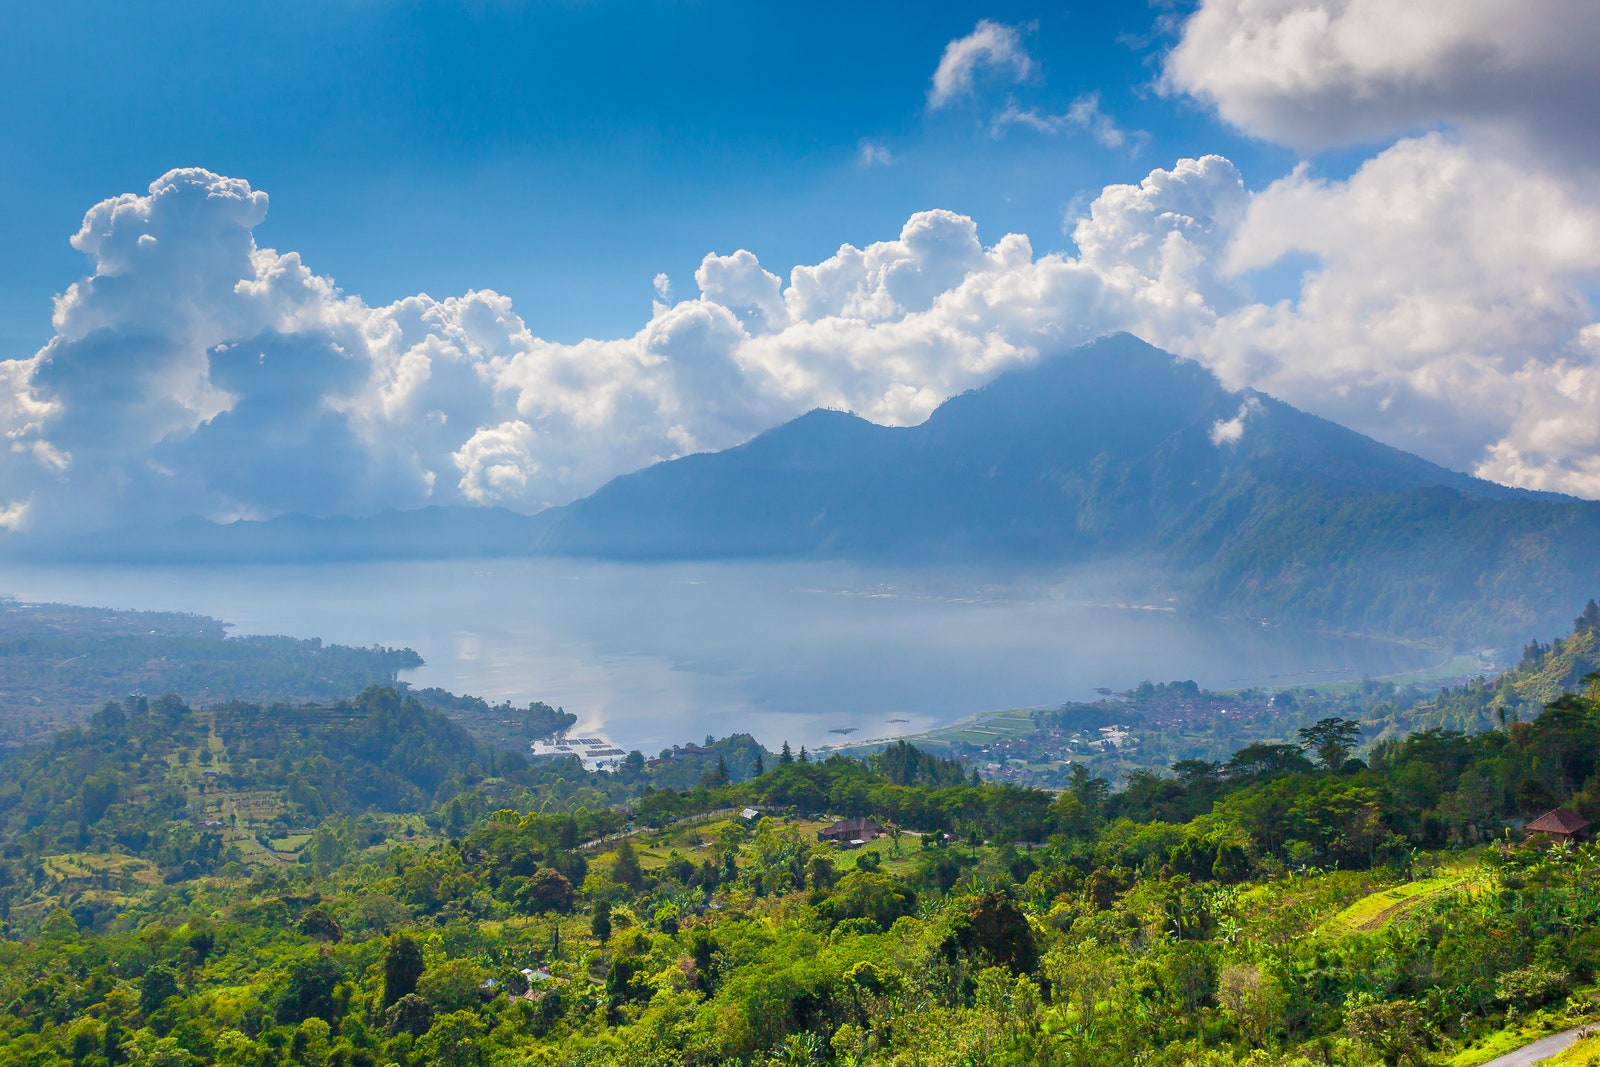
[1558, 821]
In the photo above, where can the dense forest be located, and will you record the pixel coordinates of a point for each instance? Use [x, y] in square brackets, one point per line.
[501, 724]
[367, 883]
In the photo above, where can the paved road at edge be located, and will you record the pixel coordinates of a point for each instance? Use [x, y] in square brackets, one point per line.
[1540, 1050]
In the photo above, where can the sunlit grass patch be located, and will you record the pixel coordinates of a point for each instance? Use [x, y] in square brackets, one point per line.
[1375, 910]
[1585, 1053]
[87, 865]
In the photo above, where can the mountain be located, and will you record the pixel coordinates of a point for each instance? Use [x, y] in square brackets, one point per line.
[1117, 450]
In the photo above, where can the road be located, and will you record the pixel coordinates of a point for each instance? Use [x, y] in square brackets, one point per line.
[1541, 1049]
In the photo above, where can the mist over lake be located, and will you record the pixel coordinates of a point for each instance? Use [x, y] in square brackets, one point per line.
[656, 654]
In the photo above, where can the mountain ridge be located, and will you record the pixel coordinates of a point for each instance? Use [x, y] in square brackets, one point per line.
[1115, 449]
[1112, 451]
[1007, 438]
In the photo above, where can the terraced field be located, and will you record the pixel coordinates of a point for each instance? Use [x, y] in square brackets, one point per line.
[1376, 910]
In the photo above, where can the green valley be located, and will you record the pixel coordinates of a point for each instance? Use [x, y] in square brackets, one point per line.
[364, 882]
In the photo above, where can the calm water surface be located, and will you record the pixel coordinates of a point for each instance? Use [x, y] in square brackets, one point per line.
[654, 654]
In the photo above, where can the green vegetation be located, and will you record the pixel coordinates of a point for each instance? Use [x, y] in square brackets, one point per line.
[1376, 910]
[1545, 672]
[500, 724]
[1427, 561]
[59, 663]
[366, 883]
[1155, 725]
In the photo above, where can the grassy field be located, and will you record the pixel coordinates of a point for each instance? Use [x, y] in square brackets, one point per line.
[77, 866]
[982, 729]
[1373, 912]
[979, 729]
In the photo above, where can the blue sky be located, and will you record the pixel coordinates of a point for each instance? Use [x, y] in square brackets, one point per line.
[336, 257]
[562, 153]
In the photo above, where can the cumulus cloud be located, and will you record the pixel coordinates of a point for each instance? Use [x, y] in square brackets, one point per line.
[1446, 310]
[990, 46]
[1318, 73]
[1449, 306]
[194, 371]
[496, 462]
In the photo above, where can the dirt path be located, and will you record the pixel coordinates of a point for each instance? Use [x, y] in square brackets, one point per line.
[1405, 904]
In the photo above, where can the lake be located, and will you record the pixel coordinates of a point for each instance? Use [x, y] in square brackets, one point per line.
[663, 653]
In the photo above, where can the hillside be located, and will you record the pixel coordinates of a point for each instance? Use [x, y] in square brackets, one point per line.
[1118, 450]
[360, 885]
[1112, 453]
[179, 792]
[173, 792]
[1546, 672]
[59, 663]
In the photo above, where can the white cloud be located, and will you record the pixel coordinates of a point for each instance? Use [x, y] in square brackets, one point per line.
[1449, 309]
[1445, 315]
[196, 372]
[1014, 114]
[991, 45]
[13, 515]
[496, 462]
[740, 284]
[872, 154]
[1084, 114]
[1231, 431]
[1317, 73]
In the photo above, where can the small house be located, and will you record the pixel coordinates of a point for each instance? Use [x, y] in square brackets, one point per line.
[1559, 824]
[851, 832]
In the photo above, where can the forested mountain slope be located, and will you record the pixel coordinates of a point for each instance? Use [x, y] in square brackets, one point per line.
[1118, 449]
[1546, 672]
[1112, 452]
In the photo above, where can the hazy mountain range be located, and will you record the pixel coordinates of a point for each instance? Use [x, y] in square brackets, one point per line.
[1112, 451]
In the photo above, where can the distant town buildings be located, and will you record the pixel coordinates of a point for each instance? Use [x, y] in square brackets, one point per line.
[596, 753]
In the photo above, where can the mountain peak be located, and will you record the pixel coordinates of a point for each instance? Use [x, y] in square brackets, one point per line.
[1111, 449]
[1113, 440]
